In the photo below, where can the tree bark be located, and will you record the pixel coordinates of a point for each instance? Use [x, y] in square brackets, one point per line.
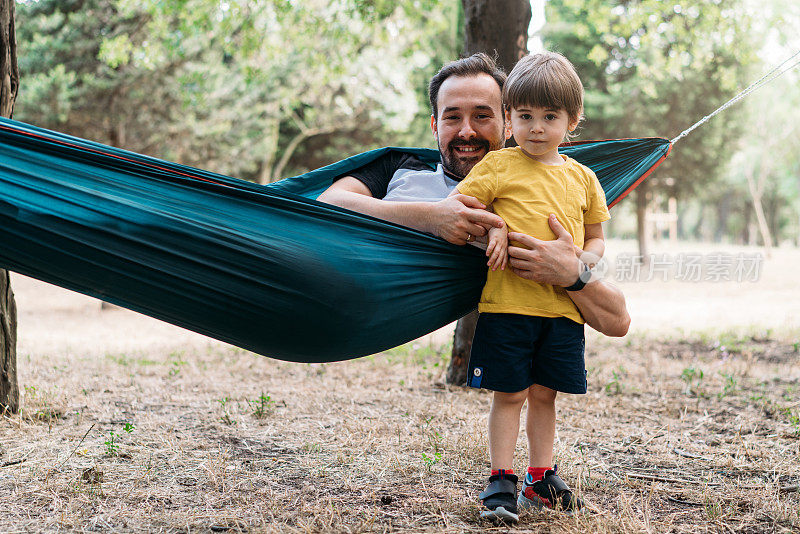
[495, 27]
[462, 346]
[9, 84]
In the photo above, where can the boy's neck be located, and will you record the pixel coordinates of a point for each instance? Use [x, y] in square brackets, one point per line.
[550, 158]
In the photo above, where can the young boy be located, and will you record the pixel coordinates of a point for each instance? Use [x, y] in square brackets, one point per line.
[529, 341]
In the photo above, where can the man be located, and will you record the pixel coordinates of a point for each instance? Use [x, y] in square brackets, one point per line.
[468, 122]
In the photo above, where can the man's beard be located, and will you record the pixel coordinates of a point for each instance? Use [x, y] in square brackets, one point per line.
[460, 167]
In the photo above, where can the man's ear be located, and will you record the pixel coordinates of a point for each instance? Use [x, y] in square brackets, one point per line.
[433, 128]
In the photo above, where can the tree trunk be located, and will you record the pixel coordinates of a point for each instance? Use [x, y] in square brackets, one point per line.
[642, 232]
[462, 346]
[756, 192]
[501, 27]
[497, 25]
[9, 83]
[746, 225]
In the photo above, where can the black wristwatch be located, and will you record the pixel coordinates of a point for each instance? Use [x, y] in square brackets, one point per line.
[583, 278]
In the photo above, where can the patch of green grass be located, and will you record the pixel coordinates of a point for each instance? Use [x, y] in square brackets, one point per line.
[112, 443]
[128, 361]
[730, 386]
[176, 361]
[615, 385]
[420, 354]
[226, 416]
[693, 377]
[713, 509]
[262, 407]
[434, 438]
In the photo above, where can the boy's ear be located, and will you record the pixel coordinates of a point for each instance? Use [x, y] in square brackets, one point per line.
[507, 131]
[573, 125]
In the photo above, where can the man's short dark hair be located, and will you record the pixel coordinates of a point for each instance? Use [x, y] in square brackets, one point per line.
[473, 65]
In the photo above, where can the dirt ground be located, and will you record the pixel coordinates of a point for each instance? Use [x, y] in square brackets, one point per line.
[691, 423]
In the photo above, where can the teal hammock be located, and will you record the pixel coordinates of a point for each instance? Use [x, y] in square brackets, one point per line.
[266, 268]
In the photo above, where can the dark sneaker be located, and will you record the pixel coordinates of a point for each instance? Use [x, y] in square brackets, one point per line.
[549, 492]
[500, 498]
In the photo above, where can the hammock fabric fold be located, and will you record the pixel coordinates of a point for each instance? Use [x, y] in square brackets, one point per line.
[266, 268]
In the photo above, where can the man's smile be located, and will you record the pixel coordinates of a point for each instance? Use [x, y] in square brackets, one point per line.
[468, 150]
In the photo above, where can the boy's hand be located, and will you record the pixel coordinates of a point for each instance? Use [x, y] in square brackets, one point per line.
[497, 249]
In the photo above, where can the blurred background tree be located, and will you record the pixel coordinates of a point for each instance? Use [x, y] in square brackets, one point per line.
[255, 89]
[9, 85]
[652, 68]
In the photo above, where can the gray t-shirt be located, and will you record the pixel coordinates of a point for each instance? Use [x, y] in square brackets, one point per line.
[409, 185]
[399, 176]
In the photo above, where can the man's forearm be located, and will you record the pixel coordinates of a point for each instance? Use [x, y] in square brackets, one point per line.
[603, 307]
[416, 215]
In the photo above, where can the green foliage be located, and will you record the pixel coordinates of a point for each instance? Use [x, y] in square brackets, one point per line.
[653, 68]
[435, 439]
[730, 385]
[262, 407]
[693, 377]
[259, 90]
[112, 443]
[615, 386]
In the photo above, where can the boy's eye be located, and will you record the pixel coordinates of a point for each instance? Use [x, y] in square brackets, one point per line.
[525, 116]
[550, 117]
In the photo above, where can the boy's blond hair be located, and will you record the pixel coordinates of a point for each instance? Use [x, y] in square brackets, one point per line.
[545, 80]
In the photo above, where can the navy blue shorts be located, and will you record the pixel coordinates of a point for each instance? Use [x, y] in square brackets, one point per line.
[511, 352]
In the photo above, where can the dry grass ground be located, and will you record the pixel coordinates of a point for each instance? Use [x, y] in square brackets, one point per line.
[135, 426]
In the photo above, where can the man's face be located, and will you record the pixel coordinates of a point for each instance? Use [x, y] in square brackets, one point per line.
[470, 121]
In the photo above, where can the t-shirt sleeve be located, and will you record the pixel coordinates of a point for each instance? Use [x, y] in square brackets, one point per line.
[597, 210]
[377, 174]
[481, 182]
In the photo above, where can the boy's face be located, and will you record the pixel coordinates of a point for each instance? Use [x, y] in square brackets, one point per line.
[470, 121]
[539, 131]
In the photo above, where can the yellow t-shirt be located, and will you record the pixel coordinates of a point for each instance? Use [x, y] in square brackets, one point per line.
[524, 192]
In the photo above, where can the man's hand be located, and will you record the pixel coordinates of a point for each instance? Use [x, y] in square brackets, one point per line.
[548, 262]
[459, 218]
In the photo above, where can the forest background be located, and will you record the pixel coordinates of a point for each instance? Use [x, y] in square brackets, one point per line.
[269, 89]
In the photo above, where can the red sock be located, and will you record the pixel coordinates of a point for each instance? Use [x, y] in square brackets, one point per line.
[538, 472]
[502, 472]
